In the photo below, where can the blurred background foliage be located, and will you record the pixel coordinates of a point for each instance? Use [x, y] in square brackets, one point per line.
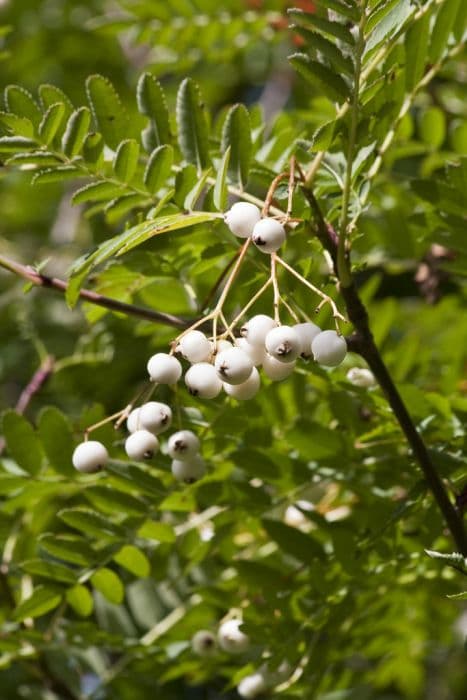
[358, 602]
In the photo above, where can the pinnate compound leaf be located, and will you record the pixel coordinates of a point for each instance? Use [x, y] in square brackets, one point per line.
[236, 134]
[385, 21]
[22, 442]
[109, 584]
[317, 42]
[134, 560]
[326, 80]
[126, 160]
[192, 125]
[15, 125]
[43, 600]
[21, 102]
[152, 103]
[110, 116]
[322, 25]
[158, 168]
[76, 131]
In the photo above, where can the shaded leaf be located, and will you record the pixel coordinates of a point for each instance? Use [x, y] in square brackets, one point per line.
[236, 135]
[43, 600]
[76, 131]
[158, 168]
[57, 439]
[51, 122]
[22, 442]
[126, 160]
[152, 103]
[192, 125]
[326, 80]
[110, 116]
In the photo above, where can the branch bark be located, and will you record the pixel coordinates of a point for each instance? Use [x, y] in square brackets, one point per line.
[364, 344]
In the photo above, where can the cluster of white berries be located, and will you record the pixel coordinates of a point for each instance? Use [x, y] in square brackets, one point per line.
[244, 220]
[231, 639]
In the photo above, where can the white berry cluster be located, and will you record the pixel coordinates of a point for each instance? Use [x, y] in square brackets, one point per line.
[231, 639]
[244, 220]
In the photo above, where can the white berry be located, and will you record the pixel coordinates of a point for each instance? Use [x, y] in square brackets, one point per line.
[247, 389]
[164, 368]
[359, 376]
[251, 686]
[141, 445]
[204, 643]
[90, 457]
[155, 417]
[329, 348]
[183, 445]
[283, 343]
[306, 332]
[256, 329]
[241, 219]
[268, 235]
[202, 380]
[277, 370]
[132, 422]
[255, 352]
[189, 470]
[223, 344]
[231, 638]
[233, 366]
[195, 347]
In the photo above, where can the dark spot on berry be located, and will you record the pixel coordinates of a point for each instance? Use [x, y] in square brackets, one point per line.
[193, 392]
[259, 241]
[148, 454]
[179, 445]
[164, 419]
[223, 370]
[190, 481]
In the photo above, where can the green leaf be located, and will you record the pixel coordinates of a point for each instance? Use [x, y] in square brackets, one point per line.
[52, 175]
[152, 103]
[160, 532]
[93, 150]
[43, 600]
[416, 50]
[80, 600]
[159, 168]
[76, 131]
[321, 77]
[57, 439]
[19, 126]
[51, 122]
[22, 442]
[109, 584]
[317, 42]
[51, 94]
[346, 9]
[91, 523]
[442, 28]
[68, 548]
[109, 114]
[134, 560]
[192, 125]
[15, 144]
[386, 21]
[97, 192]
[39, 158]
[195, 193]
[119, 207]
[433, 126]
[292, 541]
[111, 500]
[220, 195]
[458, 596]
[236, 135]
[49, 569]
[21, 102]
[322, 25]
[126, 160]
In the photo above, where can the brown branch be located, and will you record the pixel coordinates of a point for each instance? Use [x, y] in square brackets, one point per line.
[364, 344]
[39, 280]
[38, 380]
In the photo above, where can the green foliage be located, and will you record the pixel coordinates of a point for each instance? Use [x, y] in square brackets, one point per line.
[313, 518]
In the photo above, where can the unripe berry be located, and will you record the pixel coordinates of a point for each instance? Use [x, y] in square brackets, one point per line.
[141, 445]
[306, 332]
[254, 352]
[251, 686]
[233, 366]
[203, 643]
[231, 638]
[183, 445]
[268, 235]
[246, 390]
[89, 457]
[164, 368]
[155, 417]
[283, 343]
[329, 348]
[189, 470]
[241, 218]
[202, 380]
[132, 422]
[359, 376]
[256, 329]
[275, 369]
[195, 347]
